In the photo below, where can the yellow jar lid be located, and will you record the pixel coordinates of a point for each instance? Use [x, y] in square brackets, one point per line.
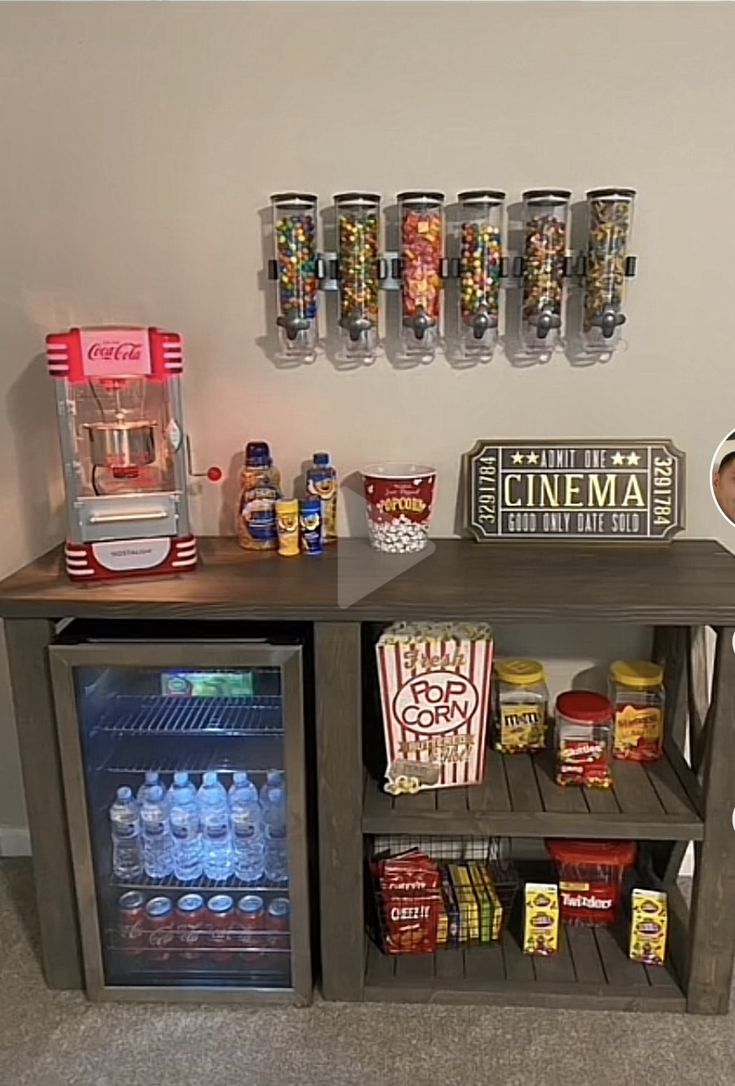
[637, 673]
[287, 505]
[520, 672]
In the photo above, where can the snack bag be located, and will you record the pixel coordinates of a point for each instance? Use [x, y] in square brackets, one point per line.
[648, 926]
[541, 919]
[435, 689]
[410, 889]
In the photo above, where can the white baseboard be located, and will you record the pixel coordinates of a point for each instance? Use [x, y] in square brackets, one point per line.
[15, 841]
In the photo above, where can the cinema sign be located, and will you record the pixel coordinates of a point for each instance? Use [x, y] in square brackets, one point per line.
[608, 491]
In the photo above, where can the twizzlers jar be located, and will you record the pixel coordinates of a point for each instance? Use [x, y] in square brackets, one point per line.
[435, 688]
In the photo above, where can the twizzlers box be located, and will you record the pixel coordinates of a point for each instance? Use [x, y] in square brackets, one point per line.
[435, 690]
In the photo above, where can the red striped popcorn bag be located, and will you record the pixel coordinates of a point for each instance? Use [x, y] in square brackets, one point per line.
[435, 692]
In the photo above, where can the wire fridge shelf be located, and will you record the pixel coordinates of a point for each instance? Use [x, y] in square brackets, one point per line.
[165, 715]
[171, 883]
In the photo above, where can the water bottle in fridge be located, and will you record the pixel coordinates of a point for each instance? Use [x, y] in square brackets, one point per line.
[247, 830]
[152, 780]
[186, 837]
[181, 784]
[127, 851]
[276, 843]
[274, 781]
[215, 818]
[245, 788]
[157, 854]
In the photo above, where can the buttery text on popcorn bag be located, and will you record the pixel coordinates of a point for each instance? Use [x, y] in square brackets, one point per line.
[435, 689]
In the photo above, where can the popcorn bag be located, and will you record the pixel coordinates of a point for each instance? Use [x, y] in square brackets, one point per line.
[435, 689]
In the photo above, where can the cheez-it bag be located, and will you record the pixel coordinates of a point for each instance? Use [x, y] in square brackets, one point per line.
[435, 691]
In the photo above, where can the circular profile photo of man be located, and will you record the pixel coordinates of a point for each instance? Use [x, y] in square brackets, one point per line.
[723, 478]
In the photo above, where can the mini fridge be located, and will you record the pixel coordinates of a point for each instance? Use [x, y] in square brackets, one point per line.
[130, 715]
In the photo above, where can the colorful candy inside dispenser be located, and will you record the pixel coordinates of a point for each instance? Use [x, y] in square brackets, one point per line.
[480, 270]
[294, 223]
[421, 218]
[610, 214]
[358, 240]
[545, 215]
[591, 878]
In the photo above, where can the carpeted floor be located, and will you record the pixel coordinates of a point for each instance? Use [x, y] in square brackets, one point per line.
[58, 1039]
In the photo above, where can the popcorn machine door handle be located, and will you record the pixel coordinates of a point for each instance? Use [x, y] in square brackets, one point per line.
[117, 518]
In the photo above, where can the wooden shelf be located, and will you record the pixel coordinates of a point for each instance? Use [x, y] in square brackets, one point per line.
[656, 802]
[685, 582]
[591, 971]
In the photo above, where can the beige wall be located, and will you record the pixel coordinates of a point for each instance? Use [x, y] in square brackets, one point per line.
[139, 143]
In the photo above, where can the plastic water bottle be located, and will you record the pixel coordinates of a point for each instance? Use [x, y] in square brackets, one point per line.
[157, 855]
[247, 830]
[276, 843]
[180, 785]
[274, 780]
[127, 850]
[242, 784]
[215, 818]
[152, 780]
[186, 837]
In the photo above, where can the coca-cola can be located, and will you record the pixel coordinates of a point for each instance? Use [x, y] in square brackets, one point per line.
[220, 923]
[131, 922]
[161, 925]
[190, 926]
[278, 924]
[250, 928]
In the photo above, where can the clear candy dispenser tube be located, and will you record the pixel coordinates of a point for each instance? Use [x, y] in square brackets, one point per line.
[358, 241]
[480, 270]
[294, 226]
[421, 222]
[545, 218]
[610, 215]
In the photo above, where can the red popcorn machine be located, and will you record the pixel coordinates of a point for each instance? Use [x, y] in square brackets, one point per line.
[118, 398]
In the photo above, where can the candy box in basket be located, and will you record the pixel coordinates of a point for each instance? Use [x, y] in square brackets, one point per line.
[435, 688]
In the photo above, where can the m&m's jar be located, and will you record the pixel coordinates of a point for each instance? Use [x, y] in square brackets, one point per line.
[421, 224]
[480, 271]
[545, 215]
[294, 227]
[584, 722]
[358, 242]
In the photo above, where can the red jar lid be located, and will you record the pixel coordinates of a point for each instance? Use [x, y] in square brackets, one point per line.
[584, 707]
[594, 853]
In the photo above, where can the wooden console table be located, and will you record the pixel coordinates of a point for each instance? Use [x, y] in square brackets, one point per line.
[677, 590]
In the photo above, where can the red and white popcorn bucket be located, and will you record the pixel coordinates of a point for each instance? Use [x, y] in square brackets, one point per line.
[435, 691]
[399, 499]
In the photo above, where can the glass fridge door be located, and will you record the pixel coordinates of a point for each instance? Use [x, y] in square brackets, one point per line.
[184, 776]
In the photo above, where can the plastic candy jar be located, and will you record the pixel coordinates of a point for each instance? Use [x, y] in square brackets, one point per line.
[520, 706]
[583, 739]
[637, 694]
[591, 878]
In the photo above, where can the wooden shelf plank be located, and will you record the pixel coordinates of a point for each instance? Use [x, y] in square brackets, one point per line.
[591, 971]
[519, 798]
[687, 582]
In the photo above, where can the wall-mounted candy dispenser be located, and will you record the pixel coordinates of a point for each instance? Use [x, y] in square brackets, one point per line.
[294, 225]
[545, 216]
[421, 224]
[358, 245]
[480, 271]
[118, 400]
[606, 266]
